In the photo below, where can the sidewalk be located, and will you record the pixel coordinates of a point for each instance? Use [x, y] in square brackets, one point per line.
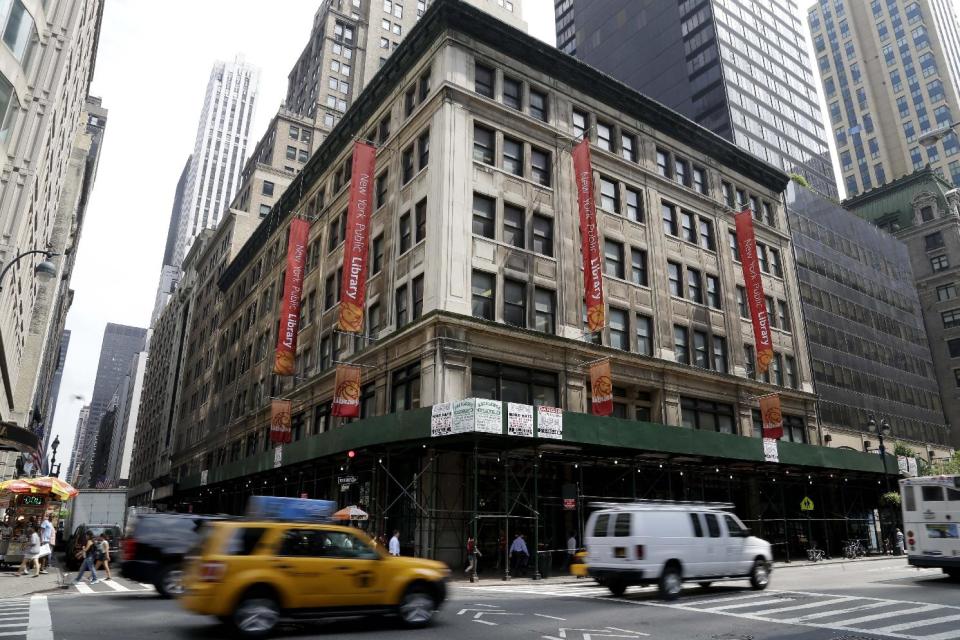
[807, 563]
[13, 587]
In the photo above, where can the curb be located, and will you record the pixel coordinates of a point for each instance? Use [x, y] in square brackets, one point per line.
[807, 563]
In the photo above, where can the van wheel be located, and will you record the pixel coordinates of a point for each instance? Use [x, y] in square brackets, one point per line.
[417, 607]
[760, 575]
[617, 587]
[671, 582]
[256, 615]
[705, 584]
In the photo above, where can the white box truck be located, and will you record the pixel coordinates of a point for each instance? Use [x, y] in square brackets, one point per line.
[97, 506]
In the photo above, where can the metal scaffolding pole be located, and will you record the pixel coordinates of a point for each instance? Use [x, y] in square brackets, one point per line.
[506, 510]
[536, 515]
[476, 491]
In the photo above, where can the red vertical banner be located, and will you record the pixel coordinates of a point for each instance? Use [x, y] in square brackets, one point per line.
[601, 387]
[284, 360]
[747, 245]
[772, 416]
[346, 392]
[354, 284]
[589, 237]
[280, 421]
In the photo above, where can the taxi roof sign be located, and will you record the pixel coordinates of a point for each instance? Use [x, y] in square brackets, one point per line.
[290, 509]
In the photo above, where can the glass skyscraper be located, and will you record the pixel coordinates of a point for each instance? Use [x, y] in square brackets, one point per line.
[737, 67]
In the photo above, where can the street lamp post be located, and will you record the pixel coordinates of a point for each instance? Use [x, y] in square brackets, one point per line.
[883, 429]
[44, 271]
[54, 467]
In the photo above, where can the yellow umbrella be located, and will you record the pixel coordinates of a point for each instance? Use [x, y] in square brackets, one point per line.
[44, 485]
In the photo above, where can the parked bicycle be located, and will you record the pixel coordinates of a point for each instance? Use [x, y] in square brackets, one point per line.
[854, 549]
[814, 554]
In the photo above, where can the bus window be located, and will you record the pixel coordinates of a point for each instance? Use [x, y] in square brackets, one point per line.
[932, 494]
[953, 495]
[909, 499]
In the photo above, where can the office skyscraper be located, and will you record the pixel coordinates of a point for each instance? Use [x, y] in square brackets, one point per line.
[890, 72]
[120, 344]
[219, 150]
[737, 67]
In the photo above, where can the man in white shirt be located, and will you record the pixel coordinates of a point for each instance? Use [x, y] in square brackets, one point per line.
[571, 548]
[394, 547]
[46, 542]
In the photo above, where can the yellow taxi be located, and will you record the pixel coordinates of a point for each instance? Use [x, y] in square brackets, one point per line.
[253, 574]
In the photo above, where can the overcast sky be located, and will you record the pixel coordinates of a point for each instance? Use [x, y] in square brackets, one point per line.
[152, 68]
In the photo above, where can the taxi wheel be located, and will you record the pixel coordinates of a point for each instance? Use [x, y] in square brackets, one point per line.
[256, 615]
[417, 607]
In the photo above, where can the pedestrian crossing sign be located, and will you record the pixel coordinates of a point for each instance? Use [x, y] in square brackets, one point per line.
[806, 504]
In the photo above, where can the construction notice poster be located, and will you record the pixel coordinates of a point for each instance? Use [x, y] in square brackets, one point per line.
[772, 417]
[519, 420]
[589, 237]
[441, 419]
[280, 421]
[284, 360]
[550, 423]
[354, 285]
[346, 392]
[747, 245]
[601, 385]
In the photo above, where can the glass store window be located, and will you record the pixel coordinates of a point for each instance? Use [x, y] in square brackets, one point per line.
[498, 381]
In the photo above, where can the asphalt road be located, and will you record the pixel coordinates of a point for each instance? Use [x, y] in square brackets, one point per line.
[861, 600]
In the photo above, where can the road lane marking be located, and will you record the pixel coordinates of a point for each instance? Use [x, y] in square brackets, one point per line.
[948, 635]
[492, 624]
[491, 606]
[693, 603]
[16, 624]
[929, 622]
[543, 615]
[809, 605]
[889, 614]
[41, 624]
[116, 586]
[146, 586]
[838, 612]
[744, 605]
[639, 633]
[83, 587]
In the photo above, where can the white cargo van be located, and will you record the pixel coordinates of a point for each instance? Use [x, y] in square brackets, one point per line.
[668, 543]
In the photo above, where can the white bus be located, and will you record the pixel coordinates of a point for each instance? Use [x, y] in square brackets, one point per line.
[931, 522]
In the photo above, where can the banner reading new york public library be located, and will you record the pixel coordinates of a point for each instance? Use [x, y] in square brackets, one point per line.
[747, 245]
[480, 415]
[589, 237]
[284, 363]
[354, 284]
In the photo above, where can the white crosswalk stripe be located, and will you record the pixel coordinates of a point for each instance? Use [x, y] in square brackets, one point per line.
[901, 619]
[116, 586]
[14, 618]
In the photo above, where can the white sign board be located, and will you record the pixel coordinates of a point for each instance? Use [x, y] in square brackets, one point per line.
[912, 467]
[550, 423]
[519, 420]
[489, 416]
[770, 451]
[203, 478]
[462, 417]
[441, 419]
[278, 456]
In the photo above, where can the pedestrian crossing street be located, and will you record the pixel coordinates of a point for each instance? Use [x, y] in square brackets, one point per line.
[14, 618]
[876, 617]
[114, 585]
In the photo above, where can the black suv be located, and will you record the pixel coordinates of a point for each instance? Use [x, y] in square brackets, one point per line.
[154, 550]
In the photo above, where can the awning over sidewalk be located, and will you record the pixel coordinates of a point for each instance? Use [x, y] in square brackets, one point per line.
[18, 438]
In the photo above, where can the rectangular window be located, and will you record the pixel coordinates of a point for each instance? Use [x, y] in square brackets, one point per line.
[619, 329]
[404, 233]
[663, 163]
[701, 358]
[628, 146]
[713, 291]
[511, 93]
[634, 211]
[734, 247]
[406, 164]
[727, 190]
[783, 315]
[538, 105]
[951, 318]
[483, 144]
[579, 123]
[791, 370]
[484, 214]
[686, 224]
[267, 189]
[376, 262]
[417, 290]
[644, 326]
[681, 345]
[420, 219]
[423, 150]
[708, 416]
[700, 180]
[513, 156]
[604, 136]
[638, 266]
[670, 225]
[400, 305]
[777, 367]
[707, 240]
[681, 171]
[613, 259]
[768, 303]
[931, 241]
[775, 267]
[946, 292]
[423, 86]
[540, 166]
[609, 195]
[762, 258]
[742, 302]
[515, 303]
[382, 181]
[694, 286]
[545, 312]
[939, 263]
[483, 80]
[720, 354]
[329, 292]
[674, 272]
[405, 388]
[483, 288]
[543, 235]
[513, 231]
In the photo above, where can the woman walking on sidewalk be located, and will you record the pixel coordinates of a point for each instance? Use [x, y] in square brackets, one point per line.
[88, 553]
[31, 555]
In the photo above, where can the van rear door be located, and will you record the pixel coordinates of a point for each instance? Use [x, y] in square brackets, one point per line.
[599, 548]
